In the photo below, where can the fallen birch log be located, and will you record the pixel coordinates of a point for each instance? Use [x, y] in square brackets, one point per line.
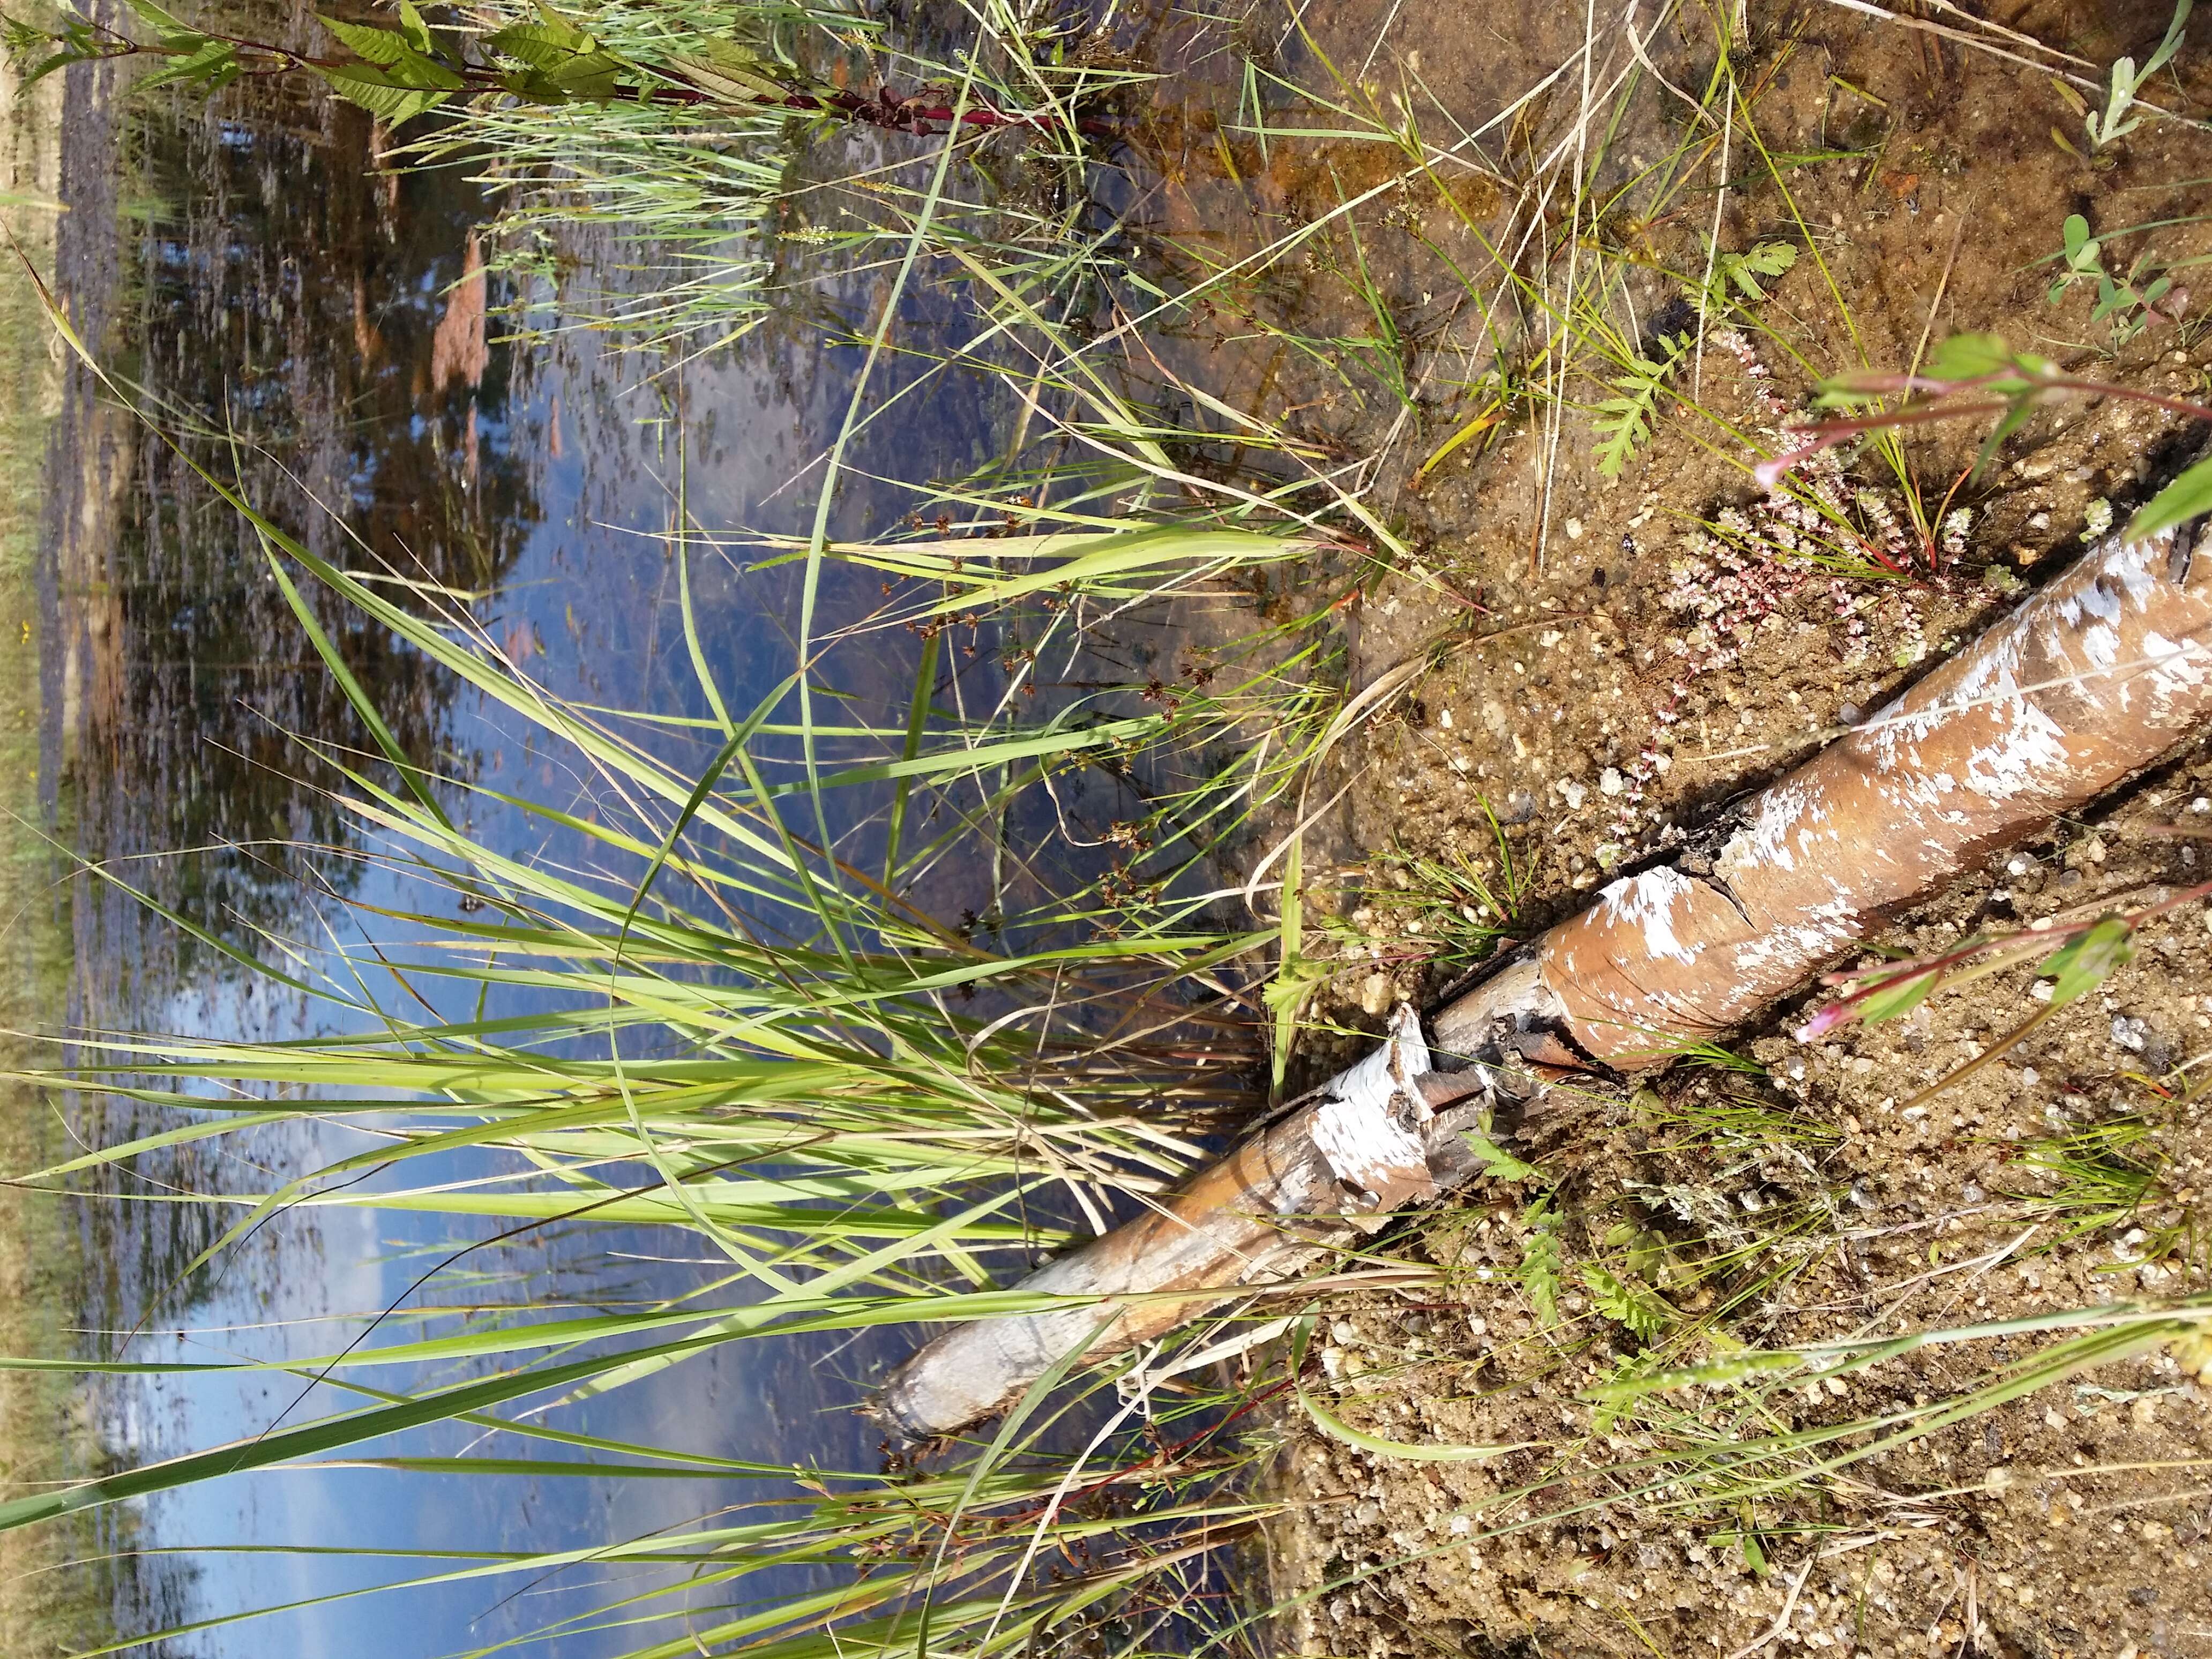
[2090, 680]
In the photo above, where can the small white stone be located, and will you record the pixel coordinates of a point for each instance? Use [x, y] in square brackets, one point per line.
[2201, 804]
[1577, 793]
[2017, 867]
[1574, 530]
[1610, 781]
[1444, 719]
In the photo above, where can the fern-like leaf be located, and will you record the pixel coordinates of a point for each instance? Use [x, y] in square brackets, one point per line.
[1540, 1264]
[1624, 421]
[1627, 1302]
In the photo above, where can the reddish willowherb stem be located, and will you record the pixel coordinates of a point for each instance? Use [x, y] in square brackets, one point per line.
[1827, 434]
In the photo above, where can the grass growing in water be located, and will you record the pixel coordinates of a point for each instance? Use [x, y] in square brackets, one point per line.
[888, 1116]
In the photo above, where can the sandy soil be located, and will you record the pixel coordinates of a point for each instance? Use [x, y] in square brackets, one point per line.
[1608, 663]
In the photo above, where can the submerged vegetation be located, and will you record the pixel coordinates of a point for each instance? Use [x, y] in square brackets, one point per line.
[979, 926]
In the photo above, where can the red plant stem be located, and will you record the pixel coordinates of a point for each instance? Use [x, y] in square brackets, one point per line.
[1892, 974]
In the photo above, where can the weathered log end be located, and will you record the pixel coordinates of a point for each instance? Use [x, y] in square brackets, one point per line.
[1374, 1139]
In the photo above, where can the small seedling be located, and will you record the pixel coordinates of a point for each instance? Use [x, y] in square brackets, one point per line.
[1737, 277]
[1627, 1304]
[2084, 255]
[2131, 303]
[1625, 420]
[1497, 1163]
[1541, 1262]
[2120, 115]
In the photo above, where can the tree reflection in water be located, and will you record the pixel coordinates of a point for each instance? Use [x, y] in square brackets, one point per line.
[268, 280]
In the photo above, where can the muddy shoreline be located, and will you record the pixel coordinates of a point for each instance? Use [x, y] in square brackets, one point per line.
[1607, 662]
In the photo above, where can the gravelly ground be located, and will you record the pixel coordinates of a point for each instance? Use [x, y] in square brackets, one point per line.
[1604, 675]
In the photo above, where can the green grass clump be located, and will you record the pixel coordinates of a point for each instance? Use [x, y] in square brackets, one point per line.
[726, 1004]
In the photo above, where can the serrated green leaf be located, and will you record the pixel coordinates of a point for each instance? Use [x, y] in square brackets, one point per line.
[416, 73]
[1499, 1164]
[727, 70]
[1540, 1264]
[417, 32]
[541, 45]
[59, 60]
[1627, 1304]
[1623, 423]
[559, 27]
[533, 86]
[2187, 497]
[213, 63]
[364, 85]
[369, 43]
[2085, 961]
[167, 23]
[1770, 259]
[589, 74]
[1764, 259]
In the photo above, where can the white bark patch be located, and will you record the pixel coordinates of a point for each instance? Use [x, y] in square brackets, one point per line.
[2034, 745]
[1362, 1129]
[1648, 902]
[1766, 839]
[2178, 668]
[1824, 931]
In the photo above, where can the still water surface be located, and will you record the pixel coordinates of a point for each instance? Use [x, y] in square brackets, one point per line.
[249, 267]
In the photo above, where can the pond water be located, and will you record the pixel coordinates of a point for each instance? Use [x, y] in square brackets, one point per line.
[248, 264]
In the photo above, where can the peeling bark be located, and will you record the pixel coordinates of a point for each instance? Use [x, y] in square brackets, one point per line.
[1368, 1144]
[2090, 680]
